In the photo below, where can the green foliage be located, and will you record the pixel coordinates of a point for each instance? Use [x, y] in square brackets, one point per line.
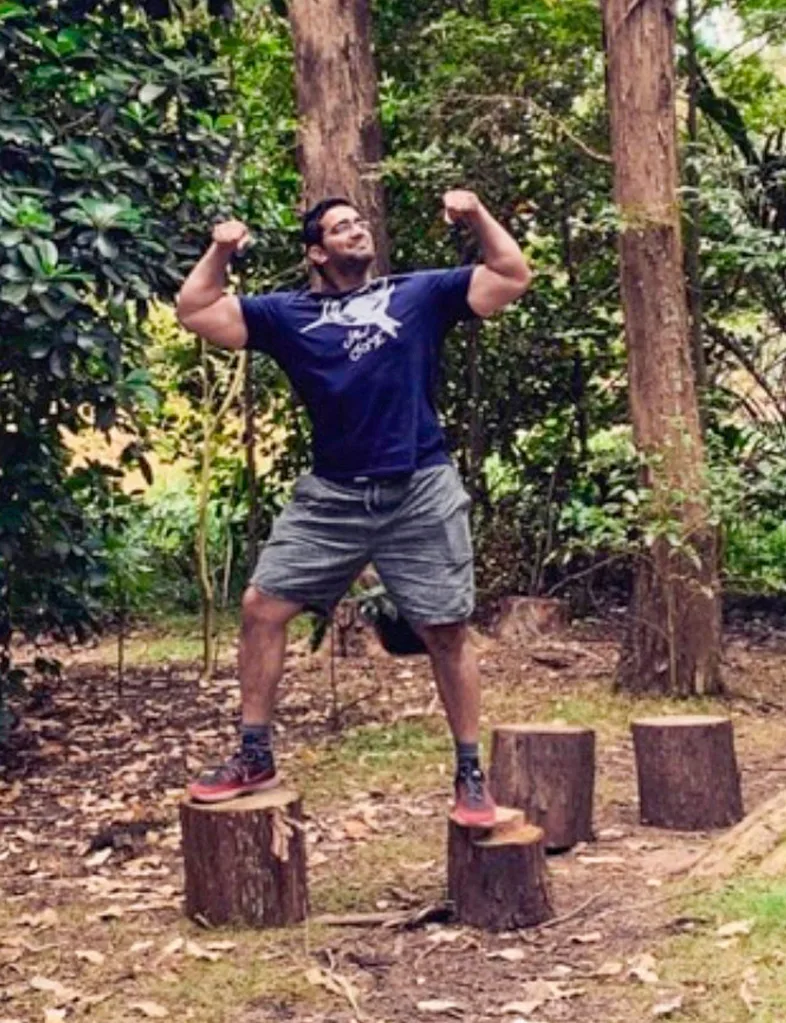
[102, 170]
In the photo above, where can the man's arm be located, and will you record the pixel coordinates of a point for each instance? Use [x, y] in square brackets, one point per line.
[202, 305]
[503, 276]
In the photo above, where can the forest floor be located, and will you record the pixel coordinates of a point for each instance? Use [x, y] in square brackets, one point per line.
[91, 921]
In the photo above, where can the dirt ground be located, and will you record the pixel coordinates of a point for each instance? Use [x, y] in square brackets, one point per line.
[91, 924]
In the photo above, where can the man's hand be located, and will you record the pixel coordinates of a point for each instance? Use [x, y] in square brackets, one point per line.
[461, 205]
[232, 235]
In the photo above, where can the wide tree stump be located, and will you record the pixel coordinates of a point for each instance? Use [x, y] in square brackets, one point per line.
[245, 860]
[687, 772]
[497, 877]
[522, 619]
[548, 771]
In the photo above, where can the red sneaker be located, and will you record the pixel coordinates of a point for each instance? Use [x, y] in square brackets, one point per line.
[239, 776]
[474, 807]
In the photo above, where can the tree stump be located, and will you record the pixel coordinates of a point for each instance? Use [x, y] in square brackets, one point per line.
[519, 619]
[548, 771]
[687, 772]
[245, 860]
[497, 877]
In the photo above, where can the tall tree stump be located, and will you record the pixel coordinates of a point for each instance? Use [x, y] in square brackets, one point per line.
[548, 771]
[245, 860]
[687, 772]
[497, 877]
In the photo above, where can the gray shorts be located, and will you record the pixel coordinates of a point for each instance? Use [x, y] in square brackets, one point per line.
[414, 530]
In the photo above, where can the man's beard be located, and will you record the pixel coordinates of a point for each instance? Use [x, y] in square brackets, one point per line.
[352, 264]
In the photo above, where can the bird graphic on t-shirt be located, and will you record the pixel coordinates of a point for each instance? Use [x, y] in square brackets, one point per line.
[366, 310]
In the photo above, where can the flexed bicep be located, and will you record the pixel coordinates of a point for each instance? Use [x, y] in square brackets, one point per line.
[222, 322]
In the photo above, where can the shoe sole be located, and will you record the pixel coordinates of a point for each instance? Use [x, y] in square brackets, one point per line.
[464, 820]
[243, 790]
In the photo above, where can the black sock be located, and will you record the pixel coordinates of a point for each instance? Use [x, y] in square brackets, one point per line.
[467, 756]
[257, 741]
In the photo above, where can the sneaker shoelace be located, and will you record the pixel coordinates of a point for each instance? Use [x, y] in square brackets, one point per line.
[232, 769]
[474, 780]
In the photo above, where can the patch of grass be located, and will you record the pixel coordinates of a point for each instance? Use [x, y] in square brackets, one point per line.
[371, 871]
[695, 959]
[596, 706]
[410, 756]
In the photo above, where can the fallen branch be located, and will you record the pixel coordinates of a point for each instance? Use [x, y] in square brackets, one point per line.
[557, 920]
[438, 913]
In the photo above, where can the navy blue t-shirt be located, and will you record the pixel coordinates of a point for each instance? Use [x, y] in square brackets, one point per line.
[365, 363]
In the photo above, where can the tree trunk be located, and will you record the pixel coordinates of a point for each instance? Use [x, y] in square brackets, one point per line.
[340, 140]
[693, 229]
[673, 638]
[497, 877]
[245, 860]
[687, 772]
[548, 771]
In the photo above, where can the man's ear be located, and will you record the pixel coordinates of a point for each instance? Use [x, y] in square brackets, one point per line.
[317, 255]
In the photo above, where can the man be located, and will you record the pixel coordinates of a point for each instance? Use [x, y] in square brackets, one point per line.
[363, 356]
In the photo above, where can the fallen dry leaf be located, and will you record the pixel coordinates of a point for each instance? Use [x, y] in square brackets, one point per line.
[150, 1009]
[642, 967]
[437, 1005]
[590, 938]
[141, 946]
[197, 951]
[357, 830]
[510, 955]
[736, 927]
[444, 936]
[53, 1015]
[62, 995]
[221, 946]
[89, 955]
[667, 1007]
[536, 993]
[98, 859]
[39, 921]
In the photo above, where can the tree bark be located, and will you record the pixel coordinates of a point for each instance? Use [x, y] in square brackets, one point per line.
[687, 772]
[245, 860]
[548, 771]
[340, 139]
[673, 639]
[497, 877]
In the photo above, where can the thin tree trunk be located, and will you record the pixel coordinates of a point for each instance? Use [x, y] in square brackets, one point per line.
[692, 230]
[340, 140]
[673, 640]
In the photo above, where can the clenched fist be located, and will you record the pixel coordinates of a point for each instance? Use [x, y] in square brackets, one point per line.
[460, 204]
[231, 234]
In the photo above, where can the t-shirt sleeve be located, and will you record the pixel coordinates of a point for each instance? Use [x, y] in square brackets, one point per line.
[451, 289]
[262, 323]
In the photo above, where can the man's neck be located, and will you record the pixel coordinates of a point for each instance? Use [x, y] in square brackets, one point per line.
[337, 283]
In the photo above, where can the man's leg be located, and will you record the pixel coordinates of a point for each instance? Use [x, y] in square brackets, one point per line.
[316, 548]
[423, 553]
[455, 667]
[263, 637]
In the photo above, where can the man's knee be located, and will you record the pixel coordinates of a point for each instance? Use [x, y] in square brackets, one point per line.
[444, 640]
[260, 610]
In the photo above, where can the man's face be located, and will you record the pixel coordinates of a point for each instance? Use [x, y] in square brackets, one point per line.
[347, 242]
